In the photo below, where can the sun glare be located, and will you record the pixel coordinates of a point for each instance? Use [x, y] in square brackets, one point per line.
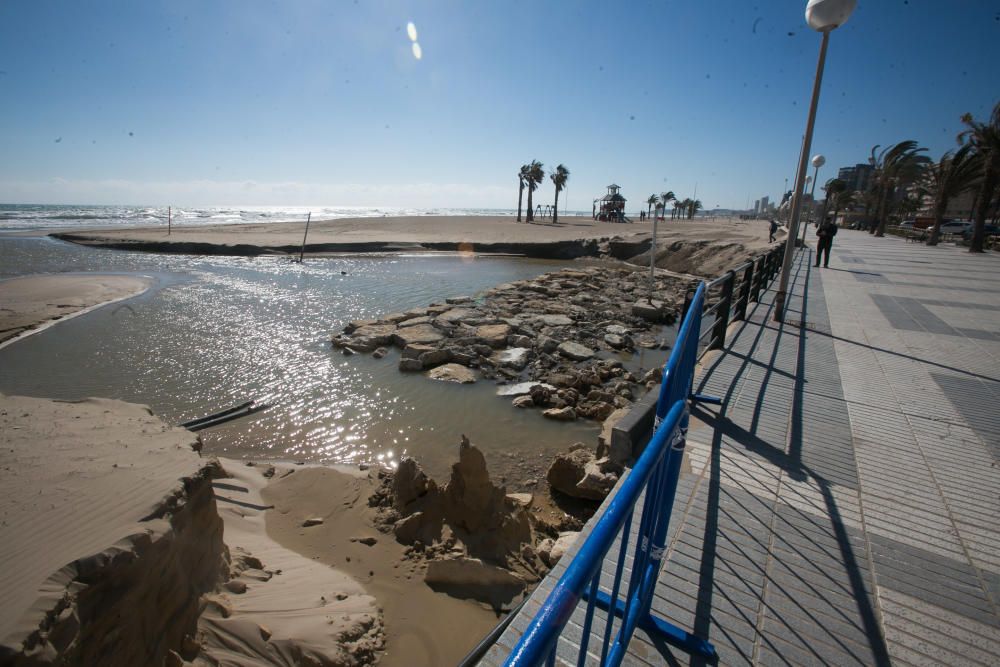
[411, 30]
[417, 51]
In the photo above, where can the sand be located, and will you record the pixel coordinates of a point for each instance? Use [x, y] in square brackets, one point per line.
[471, 233]
[28, 304]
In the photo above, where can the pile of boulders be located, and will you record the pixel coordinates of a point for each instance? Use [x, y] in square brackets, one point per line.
[554, 341]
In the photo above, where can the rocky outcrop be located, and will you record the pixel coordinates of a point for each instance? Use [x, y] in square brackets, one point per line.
[579, 473]
[562, 330]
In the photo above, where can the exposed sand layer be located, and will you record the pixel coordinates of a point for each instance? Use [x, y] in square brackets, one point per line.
[108, 533]
[280, 607]
[571, 237]
[422, 627]
[29, 303]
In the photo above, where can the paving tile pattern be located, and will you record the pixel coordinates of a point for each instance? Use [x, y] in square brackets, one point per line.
[843, 505]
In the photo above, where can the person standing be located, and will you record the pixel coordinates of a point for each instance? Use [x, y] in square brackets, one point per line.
[826, 231]
[772, 230]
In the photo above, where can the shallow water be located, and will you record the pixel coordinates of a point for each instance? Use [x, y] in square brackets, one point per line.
[216, 331]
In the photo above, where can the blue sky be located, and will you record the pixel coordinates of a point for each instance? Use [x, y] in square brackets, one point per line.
[323, 103]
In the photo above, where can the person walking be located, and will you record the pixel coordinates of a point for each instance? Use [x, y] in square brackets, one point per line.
[826, 231]
[772, 230]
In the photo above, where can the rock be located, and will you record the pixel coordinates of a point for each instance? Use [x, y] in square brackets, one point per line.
[521, 499]
[414, 350]
[357, 324]
[236, 586]
[409, 482]
[554, 320]
[514, 357]
[380, 352]
[521, 388]
[547, 344]
[599, 477]
[523, 402]
[455, 315]
[615, 341]
[452, 373]
[375, 334]
[494, 335]
[419, 333]
[413, 321]
[410, 365]
[313, 521]
[654, 375]
[616, 330]
[458, 299]
[561, 546]
[518, 340]
[473, 578]
[541, 395]
[651, 310]
[575, 351]
[566, 414]
[367, 541]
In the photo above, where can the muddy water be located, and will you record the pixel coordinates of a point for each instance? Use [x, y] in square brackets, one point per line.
[214, 332]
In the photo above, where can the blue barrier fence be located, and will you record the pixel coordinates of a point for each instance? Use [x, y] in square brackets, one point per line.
[628, 599]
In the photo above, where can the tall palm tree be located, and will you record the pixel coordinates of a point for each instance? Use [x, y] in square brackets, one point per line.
[522, 179]
[949, 177]
[559, 177]
[985, 140]
[680, 207]
[651, 202]
[694, 205]
[896, 166]
[533, 179]
[667, 196]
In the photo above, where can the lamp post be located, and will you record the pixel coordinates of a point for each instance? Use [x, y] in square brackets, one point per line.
[817, 162]
[823, 16]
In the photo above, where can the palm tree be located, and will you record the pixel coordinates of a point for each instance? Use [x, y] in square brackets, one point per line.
[985, 140]
[952, 175]
[533, 179]
[560, 177]
[522, 178]
[667, 196]
[694, 205]
[680, 206]
[895, 166]
[651, 202]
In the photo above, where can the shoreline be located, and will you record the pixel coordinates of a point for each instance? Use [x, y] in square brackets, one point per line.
[33, 303]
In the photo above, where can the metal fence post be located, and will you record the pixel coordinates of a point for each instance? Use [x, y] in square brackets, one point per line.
[744, 298]
[722, 314]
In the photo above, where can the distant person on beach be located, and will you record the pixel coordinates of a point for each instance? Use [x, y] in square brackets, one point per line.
[772, 230]
[826, 231]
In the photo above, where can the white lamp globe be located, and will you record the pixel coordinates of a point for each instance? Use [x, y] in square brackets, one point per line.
[818, 161]
[825, 15]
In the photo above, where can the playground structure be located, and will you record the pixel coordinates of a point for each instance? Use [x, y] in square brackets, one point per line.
[611, 207]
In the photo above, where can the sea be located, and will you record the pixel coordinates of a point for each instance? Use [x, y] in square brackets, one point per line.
[27, 217]
[213, 332]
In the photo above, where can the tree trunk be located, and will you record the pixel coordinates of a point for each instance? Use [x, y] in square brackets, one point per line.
[530, 217]
[520, 198]
[939, 208]
[555, 209]
[883, 213]
[985, 195]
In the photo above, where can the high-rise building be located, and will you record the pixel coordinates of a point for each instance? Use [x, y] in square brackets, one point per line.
[764, 202]
[857, 177]
[756, 207]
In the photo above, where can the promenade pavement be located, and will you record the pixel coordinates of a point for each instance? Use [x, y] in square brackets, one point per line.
[842, 506]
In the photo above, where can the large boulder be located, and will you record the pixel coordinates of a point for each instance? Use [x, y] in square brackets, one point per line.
[566, 414]
[521, 388]
[651, 310]
[409, 482]
[452, 373]
[575, 351]
[514, 357]
[494, 335]
[551, 551]
[580, 474]
[417, 334]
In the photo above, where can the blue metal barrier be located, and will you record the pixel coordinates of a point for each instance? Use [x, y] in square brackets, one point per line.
[655, 473]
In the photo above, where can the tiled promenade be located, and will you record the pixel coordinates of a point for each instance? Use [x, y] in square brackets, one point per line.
[843, 505]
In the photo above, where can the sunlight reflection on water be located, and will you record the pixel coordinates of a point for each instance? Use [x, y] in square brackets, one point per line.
[219, 331]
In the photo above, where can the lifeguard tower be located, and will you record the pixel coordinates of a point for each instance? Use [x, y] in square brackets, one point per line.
[611, 207]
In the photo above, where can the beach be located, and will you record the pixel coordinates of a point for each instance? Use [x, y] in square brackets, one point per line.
[298, 545]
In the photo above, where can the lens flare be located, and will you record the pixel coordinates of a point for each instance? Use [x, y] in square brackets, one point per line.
[411, 30]
[417, 51]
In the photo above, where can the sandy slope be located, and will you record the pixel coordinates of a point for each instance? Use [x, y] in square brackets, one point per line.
[30, 302]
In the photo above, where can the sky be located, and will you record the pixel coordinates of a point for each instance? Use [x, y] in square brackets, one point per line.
[322, 102]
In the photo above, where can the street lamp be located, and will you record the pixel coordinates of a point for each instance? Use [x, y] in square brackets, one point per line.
[823, 16]
[817, 162]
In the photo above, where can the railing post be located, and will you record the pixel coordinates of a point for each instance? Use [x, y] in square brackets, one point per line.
[744, 298]
[722, 314]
